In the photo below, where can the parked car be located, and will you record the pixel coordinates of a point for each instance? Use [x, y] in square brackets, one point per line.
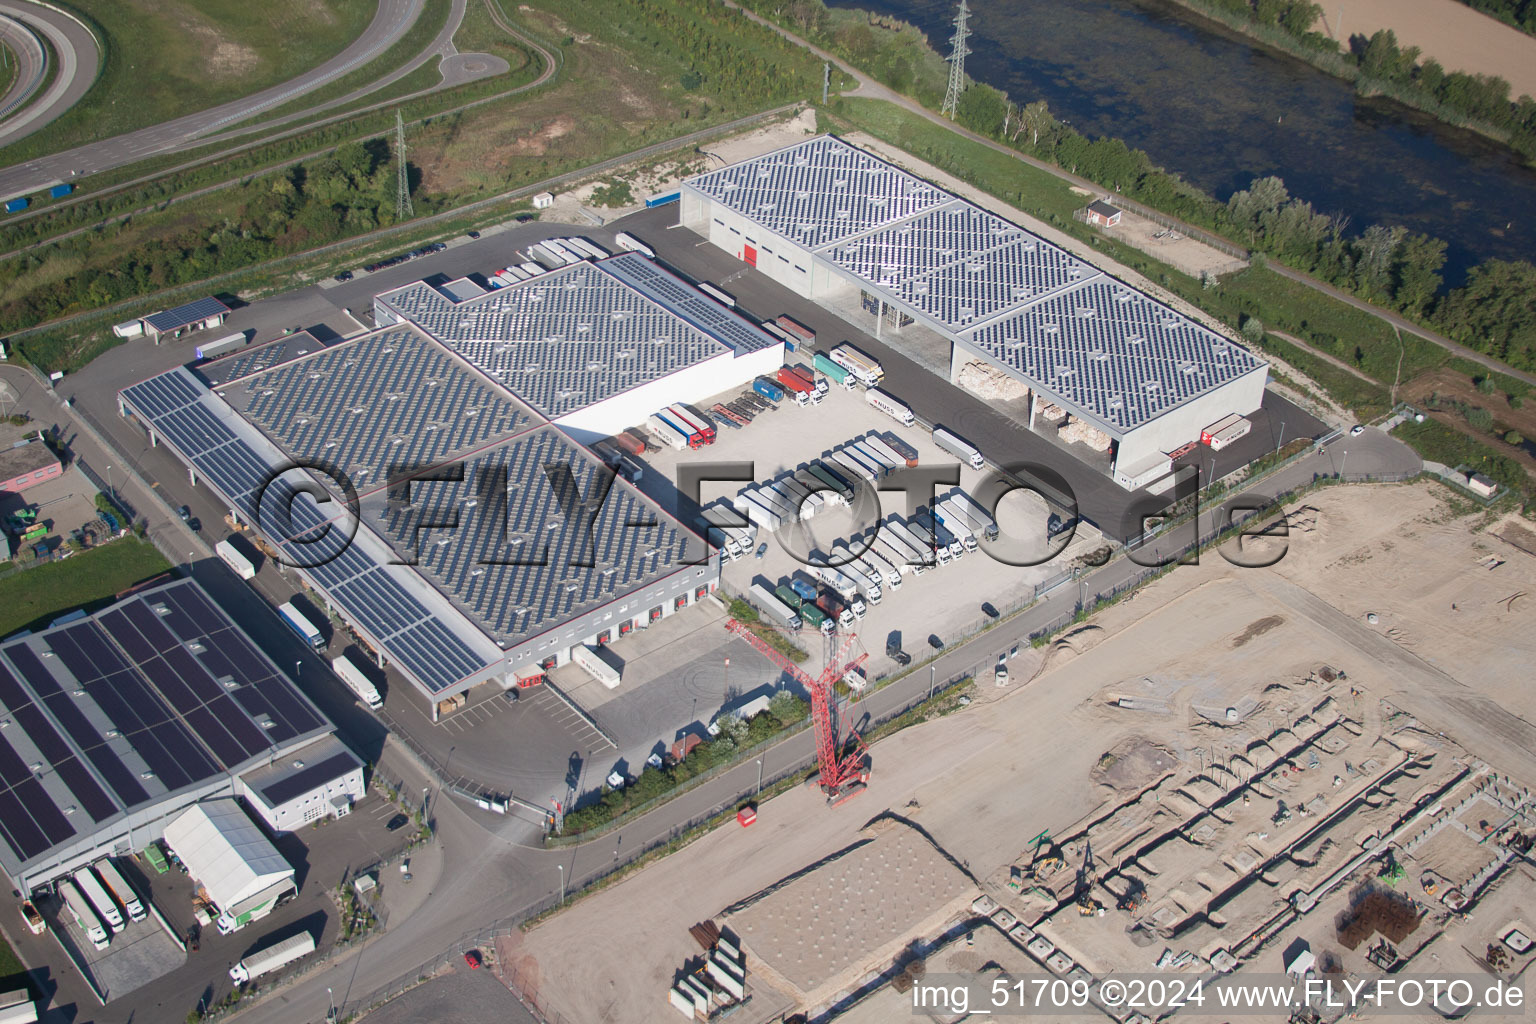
[185, 513]
[345, 275]
[1356, 430]
[1001, 673]
[655, 761]
[987, 610]
[616, 779]
[762, 549]
[34, 920]
[935, 642]
[472, 234]
[903, 658]
[1056, 525]
[396, 823]
[472, 957]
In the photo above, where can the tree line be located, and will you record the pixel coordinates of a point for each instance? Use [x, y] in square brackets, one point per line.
[1519, 13]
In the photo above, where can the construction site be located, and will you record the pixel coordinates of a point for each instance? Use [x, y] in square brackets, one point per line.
[1323, 766]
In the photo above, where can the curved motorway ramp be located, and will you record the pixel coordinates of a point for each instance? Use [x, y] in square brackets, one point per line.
[21, 24]
[393, 20]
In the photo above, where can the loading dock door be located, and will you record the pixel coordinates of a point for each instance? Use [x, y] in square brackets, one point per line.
[749, 254]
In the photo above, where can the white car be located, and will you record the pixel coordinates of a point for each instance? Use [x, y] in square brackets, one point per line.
[1356, 430]
[654, 761]
[1002, 674]
[616, 779]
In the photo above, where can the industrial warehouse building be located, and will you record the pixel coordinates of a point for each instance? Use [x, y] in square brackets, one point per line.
[239, 869]
[510, 544]
[840, 226]
[115, 724]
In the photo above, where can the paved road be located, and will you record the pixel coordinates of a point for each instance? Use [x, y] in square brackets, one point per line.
[393, 20]
[25, 51]
[78, 55]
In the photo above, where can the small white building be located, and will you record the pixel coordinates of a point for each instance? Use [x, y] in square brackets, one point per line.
[322, 780]
[1481, 485]
[543, 201]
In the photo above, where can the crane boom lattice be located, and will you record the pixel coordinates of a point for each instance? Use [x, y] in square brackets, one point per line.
[841, 776]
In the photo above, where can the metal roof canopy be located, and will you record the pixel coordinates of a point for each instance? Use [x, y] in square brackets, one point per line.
[581, 334]
[183, 315]
[1093, 344]
[225, 851]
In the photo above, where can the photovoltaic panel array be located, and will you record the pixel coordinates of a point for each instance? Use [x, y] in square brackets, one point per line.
[540, 538]
[819, 192]
[186, 415]
[685, 301]
[1108, 348]
[1098, 346]
[387, 400]
[564, 340]
[253, 360]
[185, 315]
[156, 694]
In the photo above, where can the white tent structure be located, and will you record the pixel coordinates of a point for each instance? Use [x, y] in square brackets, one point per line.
[241, 871]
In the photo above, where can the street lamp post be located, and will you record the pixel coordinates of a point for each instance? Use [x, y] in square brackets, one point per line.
[330, 1014]
[562, 883]
[932, 669]
[111, 491]
[1281, 443]
[759, 775]
[1343, 462]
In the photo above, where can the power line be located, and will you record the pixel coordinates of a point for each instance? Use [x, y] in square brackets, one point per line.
[403, 210]
[957, 54]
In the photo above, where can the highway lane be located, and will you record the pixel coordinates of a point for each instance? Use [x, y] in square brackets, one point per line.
[393, 20]
[79, 56]
[25, 51]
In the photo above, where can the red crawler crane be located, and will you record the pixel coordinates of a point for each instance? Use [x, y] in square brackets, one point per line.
[840, 778]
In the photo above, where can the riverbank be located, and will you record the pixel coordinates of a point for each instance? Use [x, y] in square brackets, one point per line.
[1326, 53]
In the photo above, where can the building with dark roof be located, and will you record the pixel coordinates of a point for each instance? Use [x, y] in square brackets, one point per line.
[841, 226]
[323, 780]
[1101, 214]
[112, 725]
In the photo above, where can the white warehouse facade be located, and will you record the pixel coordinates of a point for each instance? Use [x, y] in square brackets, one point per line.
[842, 227]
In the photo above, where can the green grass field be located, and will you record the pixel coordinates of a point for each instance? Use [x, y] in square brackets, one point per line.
[166, 58]
[35, 597]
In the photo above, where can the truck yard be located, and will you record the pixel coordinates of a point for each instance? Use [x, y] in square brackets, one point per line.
[1218, 748]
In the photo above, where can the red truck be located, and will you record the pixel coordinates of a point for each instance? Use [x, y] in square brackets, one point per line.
[693, 421]
[798, 329]
[628, 442]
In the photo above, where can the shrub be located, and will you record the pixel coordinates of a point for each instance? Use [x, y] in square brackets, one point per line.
[1480, 419]
[1253, 329]
[1513, 437]
[788, 708]
[1485, 385]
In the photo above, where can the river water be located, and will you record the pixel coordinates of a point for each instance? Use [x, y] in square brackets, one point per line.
[1218, 110]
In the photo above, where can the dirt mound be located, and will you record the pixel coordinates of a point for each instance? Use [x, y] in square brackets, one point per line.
[1258, 627]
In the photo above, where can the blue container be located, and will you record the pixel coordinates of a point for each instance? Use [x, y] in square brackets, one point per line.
[60, 191]
[17, 205]
[670, 197]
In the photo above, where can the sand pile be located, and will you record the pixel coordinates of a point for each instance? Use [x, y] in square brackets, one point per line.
[991, 383]
[1078, 432]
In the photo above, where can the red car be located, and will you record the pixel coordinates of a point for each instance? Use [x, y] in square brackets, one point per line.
[473, 959]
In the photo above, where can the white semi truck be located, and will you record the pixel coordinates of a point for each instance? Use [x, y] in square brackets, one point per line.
[274, 957]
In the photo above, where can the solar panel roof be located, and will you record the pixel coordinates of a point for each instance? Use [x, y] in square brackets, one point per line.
[190, 313]
[1099, 346]
[105, 715]
[819, 191]
[387, 399]
[544, 534]
[583, 333]
[354, 566]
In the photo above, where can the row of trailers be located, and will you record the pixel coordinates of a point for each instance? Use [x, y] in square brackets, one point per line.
[100, 902]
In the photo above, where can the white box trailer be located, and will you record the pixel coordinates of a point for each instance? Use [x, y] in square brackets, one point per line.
[231, 556]
[956, 523]
[669, 435]
[357, 681]
[874, 469]
[595, 666]
[922, 547]
[86, 882]
[274, 957]
[888, 404]
[958, 447]
[894, 551]
[630, 243]
[980, 519]
[228, 343]
[876, 444]
[851, 468]
[531, 268]
[874, 458]
[17, 1007]
[1229, 433]
[772, 502]
[129, 329]
[877, 558]
[769, 602]
[849, 567]
[83, 913]
[120, 890]
[759, 513]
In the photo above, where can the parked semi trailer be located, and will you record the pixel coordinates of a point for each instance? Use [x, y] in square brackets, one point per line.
[839, 376]
[234, 559]
[274, 957]
[669, 434]
[958, 447]
[980, 518]
[357, 681]
[865, 368]
[889, 405]
[874, 443]
[774, 608]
